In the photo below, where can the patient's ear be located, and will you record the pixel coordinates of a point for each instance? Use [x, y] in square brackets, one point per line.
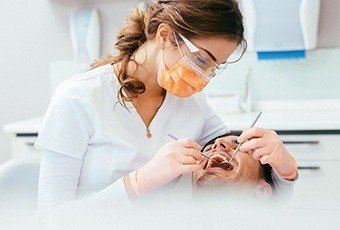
[263, 190]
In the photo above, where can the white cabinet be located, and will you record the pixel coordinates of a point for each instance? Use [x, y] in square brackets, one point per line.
[23, 146]
[318, 158]
[313, 147]
[23, 135]
[317, 188]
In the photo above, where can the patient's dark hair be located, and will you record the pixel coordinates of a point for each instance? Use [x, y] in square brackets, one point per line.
[266, 169]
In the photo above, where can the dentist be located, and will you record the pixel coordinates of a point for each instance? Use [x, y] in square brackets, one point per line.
[104, 135]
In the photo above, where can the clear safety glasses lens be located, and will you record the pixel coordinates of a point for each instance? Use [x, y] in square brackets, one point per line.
[203, 61]
[199, 59]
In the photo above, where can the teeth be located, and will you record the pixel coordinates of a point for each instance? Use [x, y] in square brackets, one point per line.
[216, 157]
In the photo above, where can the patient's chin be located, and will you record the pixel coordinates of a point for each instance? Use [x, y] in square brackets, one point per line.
[210, 180]
[214, 184]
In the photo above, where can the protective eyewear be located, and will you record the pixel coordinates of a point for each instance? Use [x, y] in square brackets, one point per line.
[200, 59]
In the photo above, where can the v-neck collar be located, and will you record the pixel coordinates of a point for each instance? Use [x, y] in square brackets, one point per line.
[132, 111]
[160, 111]
[162, 107]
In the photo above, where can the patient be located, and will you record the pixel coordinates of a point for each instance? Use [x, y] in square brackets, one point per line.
[245, 175]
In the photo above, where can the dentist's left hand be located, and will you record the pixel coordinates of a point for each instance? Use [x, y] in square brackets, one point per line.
[266, 146]
[170, 161]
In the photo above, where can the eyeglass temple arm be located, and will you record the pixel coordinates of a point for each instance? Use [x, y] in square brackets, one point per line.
[189, 44]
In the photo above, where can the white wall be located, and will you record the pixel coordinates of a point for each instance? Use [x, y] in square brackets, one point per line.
[33, 34]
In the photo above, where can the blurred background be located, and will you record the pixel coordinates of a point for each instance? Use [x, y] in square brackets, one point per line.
[294, 80]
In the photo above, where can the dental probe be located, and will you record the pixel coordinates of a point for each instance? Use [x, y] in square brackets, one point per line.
[175, 138]
[239, 145]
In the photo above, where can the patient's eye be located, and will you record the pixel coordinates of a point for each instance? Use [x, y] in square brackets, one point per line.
[208, 148]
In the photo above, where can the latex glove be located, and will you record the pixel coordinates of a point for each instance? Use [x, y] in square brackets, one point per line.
[170, 161]
[267, 147]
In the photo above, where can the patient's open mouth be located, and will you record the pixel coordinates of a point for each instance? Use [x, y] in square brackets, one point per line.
[216, 161]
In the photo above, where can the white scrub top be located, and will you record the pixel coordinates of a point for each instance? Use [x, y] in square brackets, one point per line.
[85, 122]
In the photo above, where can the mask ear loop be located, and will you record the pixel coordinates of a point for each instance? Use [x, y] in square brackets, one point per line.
[162, 60]
[162, 55]
[179, 48]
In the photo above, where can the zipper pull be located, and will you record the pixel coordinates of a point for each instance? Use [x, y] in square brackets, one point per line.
[148, 133]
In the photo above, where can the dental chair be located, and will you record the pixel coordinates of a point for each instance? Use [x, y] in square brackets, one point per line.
[18, 187]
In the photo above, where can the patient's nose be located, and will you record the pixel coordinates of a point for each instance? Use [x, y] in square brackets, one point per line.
[218, 145]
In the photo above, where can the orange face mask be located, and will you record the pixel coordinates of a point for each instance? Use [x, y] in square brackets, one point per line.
[180, 80]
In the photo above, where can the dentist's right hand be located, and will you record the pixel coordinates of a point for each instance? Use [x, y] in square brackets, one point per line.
[170, 161]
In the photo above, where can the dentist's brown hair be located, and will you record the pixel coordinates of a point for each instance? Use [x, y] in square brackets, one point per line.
[192, 18]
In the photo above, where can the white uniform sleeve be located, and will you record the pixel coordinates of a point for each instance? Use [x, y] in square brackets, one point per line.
[58, 179]
[63, 137]
[283, 187]
[213, 125]
[68, 123]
